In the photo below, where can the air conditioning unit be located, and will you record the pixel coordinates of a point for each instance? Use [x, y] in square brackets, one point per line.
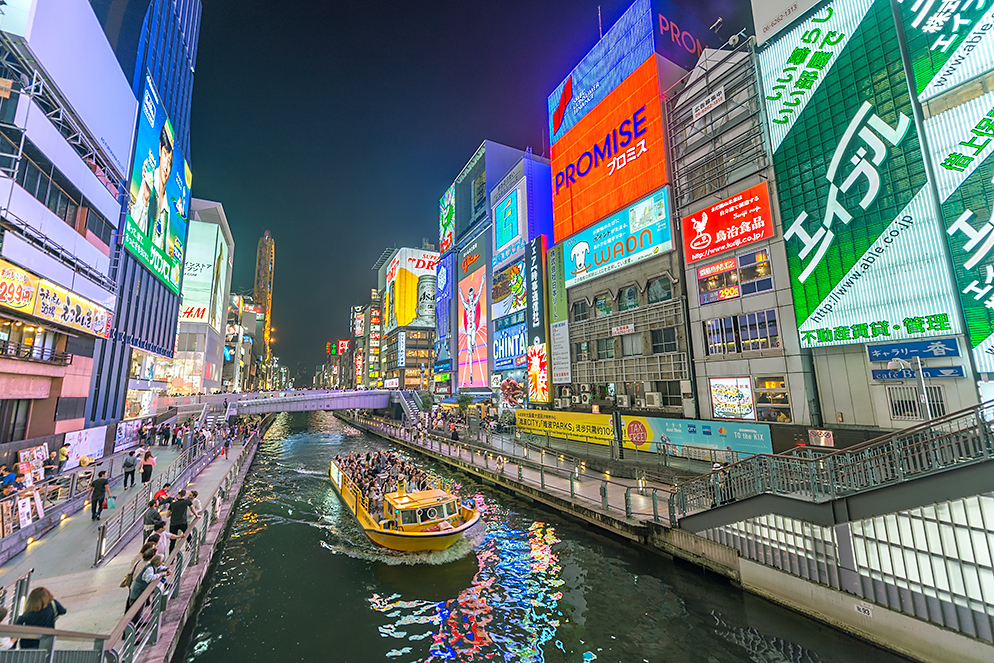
[652, 399]
[585, 388]
[610, 399]
[623, 400]
[640, 402]
[557, 402]
[584, 399]
[576, 399]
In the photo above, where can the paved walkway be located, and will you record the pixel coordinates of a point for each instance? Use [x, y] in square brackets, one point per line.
[546, 472]
[63, 558]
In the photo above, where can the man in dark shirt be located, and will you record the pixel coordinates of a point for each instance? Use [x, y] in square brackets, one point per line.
[98, 492]
[151, 518]
[51, 465]
[177, 516]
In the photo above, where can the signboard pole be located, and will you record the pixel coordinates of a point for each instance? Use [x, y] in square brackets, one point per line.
[926, 407]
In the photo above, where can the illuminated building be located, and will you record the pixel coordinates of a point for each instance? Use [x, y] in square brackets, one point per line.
[265, 262]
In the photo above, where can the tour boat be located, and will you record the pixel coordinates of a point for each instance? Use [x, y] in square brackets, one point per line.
[432, 519]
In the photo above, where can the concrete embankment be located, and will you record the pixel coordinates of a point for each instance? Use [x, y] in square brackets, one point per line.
[886, 628]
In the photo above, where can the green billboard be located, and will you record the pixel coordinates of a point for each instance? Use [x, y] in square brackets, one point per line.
[864, 246]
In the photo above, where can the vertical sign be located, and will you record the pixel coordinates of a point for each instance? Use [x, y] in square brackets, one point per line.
[445, 279]
[559, 350]
[864, 249]
[535, 314]
[471, 292]
[401, 349]
[447, 219]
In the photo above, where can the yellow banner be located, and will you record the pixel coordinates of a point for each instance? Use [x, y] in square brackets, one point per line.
[579, 426]
[17, 288]
[66, 308]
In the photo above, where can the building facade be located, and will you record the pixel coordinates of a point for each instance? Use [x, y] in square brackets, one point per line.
[265, 264]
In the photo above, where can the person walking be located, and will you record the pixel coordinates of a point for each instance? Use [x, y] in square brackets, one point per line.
[99, 491]
[130, 462]
[63, 455]
[147, 464]
[51, 464]
[151, 518]
[177, 516]
[227, 445]
[41, 609]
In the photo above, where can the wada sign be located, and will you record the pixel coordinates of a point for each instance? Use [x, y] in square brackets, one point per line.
[864, 249]
[155, 231]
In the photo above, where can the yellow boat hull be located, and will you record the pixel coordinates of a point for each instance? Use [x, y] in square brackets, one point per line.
[392, 538]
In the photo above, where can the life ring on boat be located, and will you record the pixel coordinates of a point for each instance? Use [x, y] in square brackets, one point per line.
[432, 513]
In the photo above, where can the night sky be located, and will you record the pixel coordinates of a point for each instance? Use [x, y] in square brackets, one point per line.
[338, 126]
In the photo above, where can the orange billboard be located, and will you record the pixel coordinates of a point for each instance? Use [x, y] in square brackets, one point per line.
[615, 154]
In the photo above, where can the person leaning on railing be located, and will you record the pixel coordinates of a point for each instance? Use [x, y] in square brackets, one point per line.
[151, 573]
[151, 518]
[41, 609]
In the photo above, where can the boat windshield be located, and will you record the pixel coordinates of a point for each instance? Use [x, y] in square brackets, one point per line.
[408, 517]
[431, 513]
[450, 509]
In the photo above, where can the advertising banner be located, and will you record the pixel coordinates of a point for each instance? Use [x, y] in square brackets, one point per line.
[410, 290]
[578, 426]
[205, 272]
[509, 347]
[538, 322]
[358, 321]
[447, 219]
[510, 225]
[772, 16]
[66, 308]
[509, 294]
[614, 155]
[960, 140]
[472, 340]
[18, 288]
[445, 280]
[126, 435]
[946, 347]
[683, 28]
[731, 398]
[663, 435]
[864, 248]
[88, 442]
[155, 231]
[631, 235]
[559, 344]
[737, 221]
[401, 349]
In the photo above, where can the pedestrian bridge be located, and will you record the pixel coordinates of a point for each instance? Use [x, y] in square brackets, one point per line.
[265, 403]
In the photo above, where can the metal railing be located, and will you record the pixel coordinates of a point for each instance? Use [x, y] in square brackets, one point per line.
[28, 352]
[556, 474]
[12, 596]
[128, 515]
[141, 624]
[964, 437]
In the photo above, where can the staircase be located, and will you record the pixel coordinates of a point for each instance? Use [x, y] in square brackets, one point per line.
[411, 406]
[809, 480]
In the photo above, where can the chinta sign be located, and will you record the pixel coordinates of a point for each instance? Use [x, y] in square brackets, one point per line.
[864, 248]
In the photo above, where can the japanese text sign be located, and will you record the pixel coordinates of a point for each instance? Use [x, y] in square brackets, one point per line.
[737, 221]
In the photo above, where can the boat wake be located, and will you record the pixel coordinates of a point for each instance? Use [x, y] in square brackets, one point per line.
[365, 549]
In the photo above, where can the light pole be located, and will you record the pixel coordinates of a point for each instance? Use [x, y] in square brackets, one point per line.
[901, 364]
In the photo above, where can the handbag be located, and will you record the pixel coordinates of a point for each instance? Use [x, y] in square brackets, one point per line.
[111, 502]
[129, 577]
[105, 503]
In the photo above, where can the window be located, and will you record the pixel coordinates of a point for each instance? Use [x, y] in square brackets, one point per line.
[663, 340]
[70, 407]
[631, 345]
[98, 225]
[772, 399]
[409, 517]
[605, 348]
[735, 277]
[580, 311]
[628, 298]
[742, 333]
[601, 307]
[660, 290]
[14, 419]
[905, 406]
[669, 392]
[583, 351]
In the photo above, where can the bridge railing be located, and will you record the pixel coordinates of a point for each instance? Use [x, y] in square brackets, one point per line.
[959, 438]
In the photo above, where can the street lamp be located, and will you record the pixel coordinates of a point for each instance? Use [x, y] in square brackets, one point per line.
[902, 365]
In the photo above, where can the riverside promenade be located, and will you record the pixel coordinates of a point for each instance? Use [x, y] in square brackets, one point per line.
[63, 559]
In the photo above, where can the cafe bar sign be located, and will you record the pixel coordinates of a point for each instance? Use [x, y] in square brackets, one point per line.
[26, 293]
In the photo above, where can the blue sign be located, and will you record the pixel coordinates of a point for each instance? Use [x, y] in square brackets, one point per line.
[933, 372]
[945, 347]
[445, 280]
[630, 235]
[627, 44]
[509, 347]
[663, 435]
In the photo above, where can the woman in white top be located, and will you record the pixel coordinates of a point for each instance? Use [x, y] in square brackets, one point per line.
[196, 502]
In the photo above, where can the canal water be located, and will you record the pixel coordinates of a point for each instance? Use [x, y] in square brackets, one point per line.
[298, 581]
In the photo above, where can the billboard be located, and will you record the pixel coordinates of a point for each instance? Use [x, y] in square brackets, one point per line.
[731, 398]
[445, 280]
[25, 293]
[615, 154]
[472, 301]
[538, 322]
[664, 435]
[509, 294]
[737, 221]
[683, 30]
[772, 16]
[447, 219]
[559, 345]
[631, 235]
[18, 288]
[509, 346]
[205, 273]
[155, 231]
[510, 225]
[579, 426]
[410, 290]
[864, 249]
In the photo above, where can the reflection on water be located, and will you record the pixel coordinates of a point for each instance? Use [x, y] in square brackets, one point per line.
[298, 580]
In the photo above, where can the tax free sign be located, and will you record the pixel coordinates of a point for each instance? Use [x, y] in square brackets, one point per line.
[864, 246]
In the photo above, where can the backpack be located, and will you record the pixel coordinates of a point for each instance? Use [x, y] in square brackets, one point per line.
[129, 462]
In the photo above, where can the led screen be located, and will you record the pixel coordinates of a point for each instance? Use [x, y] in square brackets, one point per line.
[205, 272]
[472, 302]
[509, 294]
[447, 219]
[410, 293]
[445, 279]
[159, 195]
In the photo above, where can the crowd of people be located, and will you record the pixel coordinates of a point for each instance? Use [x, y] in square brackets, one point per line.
[379, 473]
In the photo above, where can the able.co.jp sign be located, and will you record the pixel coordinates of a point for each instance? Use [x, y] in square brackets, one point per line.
[737, 221]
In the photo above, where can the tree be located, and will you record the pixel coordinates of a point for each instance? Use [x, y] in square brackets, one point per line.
[465, 400]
